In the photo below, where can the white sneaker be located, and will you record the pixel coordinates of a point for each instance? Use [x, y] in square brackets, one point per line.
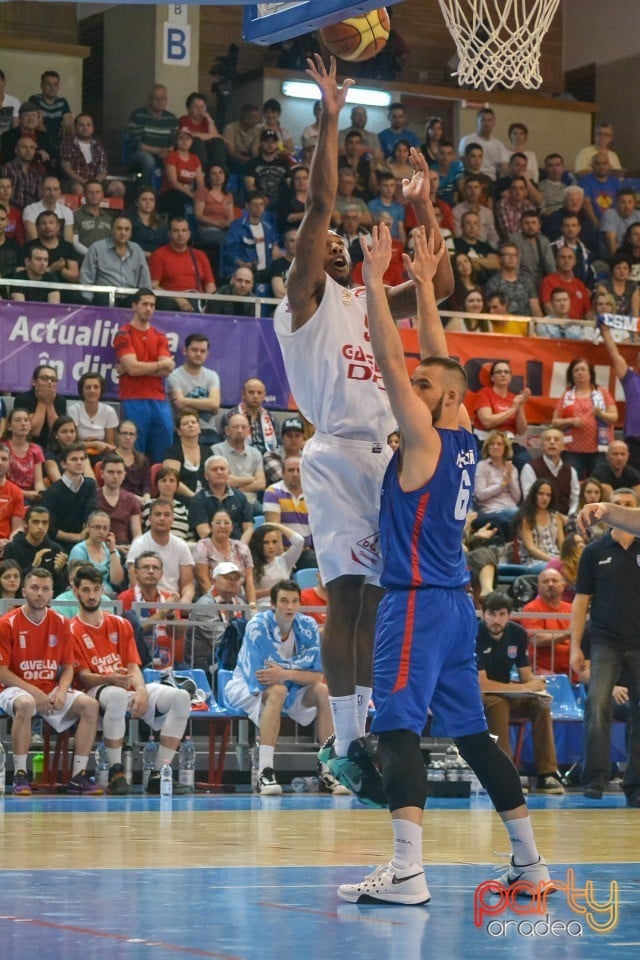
[536, 874]
[389, 885]
[267, 785]
[329, 784]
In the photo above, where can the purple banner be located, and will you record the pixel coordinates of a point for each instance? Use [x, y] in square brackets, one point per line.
[75, 340]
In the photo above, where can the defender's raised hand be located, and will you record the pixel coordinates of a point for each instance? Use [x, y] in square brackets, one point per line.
[333, 96]
[378, 256]
[422, 269]
[418, 187]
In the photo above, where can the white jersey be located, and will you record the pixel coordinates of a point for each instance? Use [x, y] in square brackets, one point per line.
[333, 376]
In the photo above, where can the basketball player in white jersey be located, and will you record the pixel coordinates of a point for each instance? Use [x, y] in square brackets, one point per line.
[322, 329]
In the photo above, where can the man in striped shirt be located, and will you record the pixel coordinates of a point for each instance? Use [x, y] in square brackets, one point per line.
[284, 503]
[151, 131]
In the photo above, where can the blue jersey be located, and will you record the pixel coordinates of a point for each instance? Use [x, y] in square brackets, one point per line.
[421, 531]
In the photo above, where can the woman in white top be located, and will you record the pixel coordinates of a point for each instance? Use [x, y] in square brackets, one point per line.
[96, 421]
[271, 562]
[497, 488]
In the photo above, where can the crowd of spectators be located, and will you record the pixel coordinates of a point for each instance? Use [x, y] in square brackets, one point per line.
[199, 210]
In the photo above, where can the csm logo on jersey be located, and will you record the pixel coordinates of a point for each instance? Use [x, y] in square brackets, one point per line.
[466, 459]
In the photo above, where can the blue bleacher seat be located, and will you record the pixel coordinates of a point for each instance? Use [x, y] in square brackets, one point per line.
[564, 705]
[223, 677]
[306, 578]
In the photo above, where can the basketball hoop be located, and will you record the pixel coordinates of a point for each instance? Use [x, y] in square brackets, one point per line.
[498, 41]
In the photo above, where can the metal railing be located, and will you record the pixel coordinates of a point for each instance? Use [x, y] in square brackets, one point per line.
[255, 303]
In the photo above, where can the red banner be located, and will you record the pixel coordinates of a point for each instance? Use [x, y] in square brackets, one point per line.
[537, 363]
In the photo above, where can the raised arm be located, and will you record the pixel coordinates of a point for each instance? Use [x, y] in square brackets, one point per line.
[417, 191]
[620, 365]
[431, 338]
[306, 276]
[420, 442]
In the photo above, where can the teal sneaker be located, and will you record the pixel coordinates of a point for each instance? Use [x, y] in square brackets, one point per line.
[357, 772]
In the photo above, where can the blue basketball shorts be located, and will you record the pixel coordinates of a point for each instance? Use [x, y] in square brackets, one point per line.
[424, 659]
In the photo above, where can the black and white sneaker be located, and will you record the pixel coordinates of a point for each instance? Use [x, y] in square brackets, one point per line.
[267, 785]
[387, 884]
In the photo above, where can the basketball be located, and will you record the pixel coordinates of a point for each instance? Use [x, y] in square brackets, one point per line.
[358, 38]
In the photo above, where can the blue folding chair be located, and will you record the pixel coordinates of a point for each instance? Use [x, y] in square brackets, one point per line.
[564, 705]
[218, 723]
[306, 578]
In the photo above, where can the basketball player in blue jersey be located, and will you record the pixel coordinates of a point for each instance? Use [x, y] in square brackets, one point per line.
[321, 326]
[424, 654]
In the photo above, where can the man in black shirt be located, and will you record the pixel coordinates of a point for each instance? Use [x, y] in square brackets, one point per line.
[34, 548]
[615, 471]
[608, 584]
[218, 495]
[71, 499]
[500, 646]
[36, 268]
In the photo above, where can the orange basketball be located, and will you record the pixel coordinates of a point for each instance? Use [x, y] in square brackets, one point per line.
[358, 38]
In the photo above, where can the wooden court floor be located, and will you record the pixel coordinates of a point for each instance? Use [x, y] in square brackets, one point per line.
[242, 878]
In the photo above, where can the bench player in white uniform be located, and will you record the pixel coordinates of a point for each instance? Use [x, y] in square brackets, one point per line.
[322, 329]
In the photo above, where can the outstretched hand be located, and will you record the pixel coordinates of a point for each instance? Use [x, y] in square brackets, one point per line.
[423, 267]
[418, 187]
[377, 256]
[589, 516]
[333, 96]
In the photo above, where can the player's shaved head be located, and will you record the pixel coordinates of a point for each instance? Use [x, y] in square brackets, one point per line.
[454, 376]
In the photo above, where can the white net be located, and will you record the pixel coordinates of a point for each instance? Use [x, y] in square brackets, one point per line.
[498, 41]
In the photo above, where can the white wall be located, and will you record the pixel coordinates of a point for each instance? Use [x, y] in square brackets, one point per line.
[598, 31]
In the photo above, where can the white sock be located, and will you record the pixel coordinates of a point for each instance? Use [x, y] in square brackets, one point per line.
[363, 696]
[265, 757]
[345, 722]
[20, 761]
[523, 844]
[79, 764]
[165, 755]
[114, 755]
[407, 843]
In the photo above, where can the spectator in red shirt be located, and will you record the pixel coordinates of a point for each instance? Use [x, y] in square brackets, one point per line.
[183, 176]
[177, 266]
[566, 278]
[549, 636]
[145, 362]
[12, 508]
[208, 143]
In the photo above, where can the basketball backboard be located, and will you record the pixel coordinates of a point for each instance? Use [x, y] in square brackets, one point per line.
[266, 23]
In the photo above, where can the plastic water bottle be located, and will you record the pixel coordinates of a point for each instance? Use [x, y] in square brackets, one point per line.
[102, 765]
[3, 771]
[452, 763]
[187, 763]
[476, 787]
[149, 754]
[166, 781]
[127, 763]
[255, 766]
[305, 784]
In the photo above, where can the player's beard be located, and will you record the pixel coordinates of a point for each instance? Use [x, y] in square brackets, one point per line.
[436, 412]
[87, 609]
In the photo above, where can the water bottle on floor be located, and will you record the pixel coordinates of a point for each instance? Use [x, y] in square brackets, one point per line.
[102, 765]
[187, 763]
[166, 781]
[127, 763]
[255, 763]
[149, 754]
[305, 784]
